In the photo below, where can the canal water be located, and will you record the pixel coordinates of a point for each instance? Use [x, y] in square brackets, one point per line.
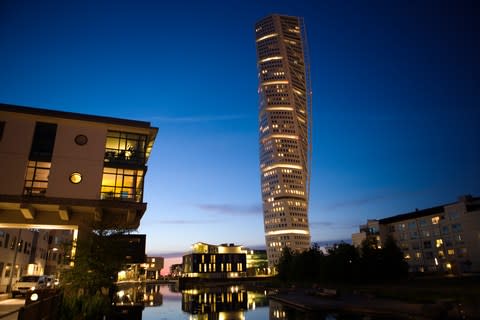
[166, 302]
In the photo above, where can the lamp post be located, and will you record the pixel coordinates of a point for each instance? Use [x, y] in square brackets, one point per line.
[51, 265]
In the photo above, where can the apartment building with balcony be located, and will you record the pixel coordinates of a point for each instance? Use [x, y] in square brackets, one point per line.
[444, 238]
[68, 171]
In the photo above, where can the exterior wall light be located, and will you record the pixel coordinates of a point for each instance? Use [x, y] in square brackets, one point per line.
[75, 178]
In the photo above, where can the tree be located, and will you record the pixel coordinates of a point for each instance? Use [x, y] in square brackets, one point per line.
[394, 264]
[343, 263]
[285, 264]
[88, 286]
[371, 260]
[386, 263]
[309, 265]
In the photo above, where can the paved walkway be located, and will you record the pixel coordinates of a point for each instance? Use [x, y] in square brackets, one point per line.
[8, 308]
[362, 304]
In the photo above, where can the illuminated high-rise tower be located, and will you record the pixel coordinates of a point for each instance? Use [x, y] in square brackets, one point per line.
[285, 125]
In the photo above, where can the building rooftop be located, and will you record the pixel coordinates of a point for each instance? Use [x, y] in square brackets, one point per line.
[471, 204]
[413, 215]
[72, 115]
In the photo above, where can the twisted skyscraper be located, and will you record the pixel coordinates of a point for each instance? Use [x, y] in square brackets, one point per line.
[285, 125]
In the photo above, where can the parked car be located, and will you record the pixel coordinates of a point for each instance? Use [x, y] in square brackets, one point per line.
[31, 283]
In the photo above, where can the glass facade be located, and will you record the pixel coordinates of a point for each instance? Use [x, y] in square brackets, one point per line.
[125, 148]
[124, 166]
[125, 184]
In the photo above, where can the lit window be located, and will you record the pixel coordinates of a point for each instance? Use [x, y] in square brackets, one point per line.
[438, 243]
[124, 147]
[435, 220]
[75, 178]
[36, 178]
[124, 184]
[451, 252]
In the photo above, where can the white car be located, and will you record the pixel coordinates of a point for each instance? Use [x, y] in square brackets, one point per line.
[29, 283]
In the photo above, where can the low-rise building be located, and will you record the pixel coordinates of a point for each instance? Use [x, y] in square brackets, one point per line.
[443, 238]
[153, 269]
[212, 261]
[176, 270]
[131, 251]
[257, 262]
[369, 231]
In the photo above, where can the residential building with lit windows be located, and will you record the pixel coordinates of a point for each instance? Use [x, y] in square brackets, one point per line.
[154, 268]
[58, 255]
[212, 261]
[284, 132]
[444, 238]
[369, 231]
[22, 252]
[176, 270]
[69, 171]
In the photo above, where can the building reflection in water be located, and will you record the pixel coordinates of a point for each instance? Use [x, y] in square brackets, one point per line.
[220, 302]
[153, 296]
[277, 312]
[148, 295]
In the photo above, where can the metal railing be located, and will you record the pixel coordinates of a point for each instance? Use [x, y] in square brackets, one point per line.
[44, 306]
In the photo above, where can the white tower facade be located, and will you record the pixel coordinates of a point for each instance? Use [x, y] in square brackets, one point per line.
[285, 125]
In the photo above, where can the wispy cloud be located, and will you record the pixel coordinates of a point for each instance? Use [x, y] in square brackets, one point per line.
[231, 209]
[197, 119]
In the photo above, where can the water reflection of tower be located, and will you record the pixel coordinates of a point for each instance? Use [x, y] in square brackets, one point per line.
[216, 303]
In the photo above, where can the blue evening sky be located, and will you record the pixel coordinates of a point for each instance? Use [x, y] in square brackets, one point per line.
[396, 103]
